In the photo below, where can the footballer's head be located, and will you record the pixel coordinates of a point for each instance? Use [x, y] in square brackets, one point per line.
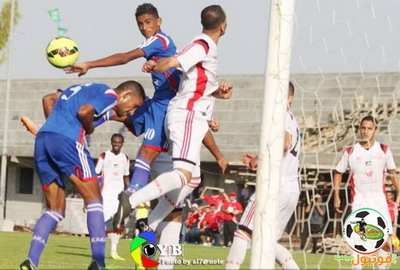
[368, 127]
[117, 140]
[213, 18]
[147, 19]
[131, 96]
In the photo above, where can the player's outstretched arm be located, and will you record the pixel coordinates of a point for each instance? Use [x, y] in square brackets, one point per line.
[161, 65]
[48, 102]
[212, 146]
[109, 61]
[337, 179]
[86, 115]
[224, 91]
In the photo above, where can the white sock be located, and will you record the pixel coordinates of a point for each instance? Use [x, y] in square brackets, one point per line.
[237, 252]
[161, 185]
[169, 201]
[114, 237]
[285, 258]
[169, 235]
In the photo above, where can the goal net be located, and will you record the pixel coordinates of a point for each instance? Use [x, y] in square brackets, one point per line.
[345, 65]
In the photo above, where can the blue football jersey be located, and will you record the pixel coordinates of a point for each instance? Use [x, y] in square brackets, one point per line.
[165, 83]
[64, 117]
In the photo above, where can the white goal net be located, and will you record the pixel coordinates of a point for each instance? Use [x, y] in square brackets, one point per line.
[345, 65]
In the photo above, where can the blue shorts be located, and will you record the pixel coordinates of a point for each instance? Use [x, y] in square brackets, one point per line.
[57, 156]
[149, 120]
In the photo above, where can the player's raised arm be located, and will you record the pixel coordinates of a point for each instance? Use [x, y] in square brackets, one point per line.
[109, 61]
[161, 65]
[86, 115]
[48, 102]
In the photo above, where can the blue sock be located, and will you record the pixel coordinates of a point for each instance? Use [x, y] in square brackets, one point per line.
[141, 174]
[97, 231]
[46, 223]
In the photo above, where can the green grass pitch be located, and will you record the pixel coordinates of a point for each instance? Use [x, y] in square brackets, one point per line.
[72, 252]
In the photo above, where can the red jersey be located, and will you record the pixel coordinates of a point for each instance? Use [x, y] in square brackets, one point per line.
[229, 208]
[217, 200]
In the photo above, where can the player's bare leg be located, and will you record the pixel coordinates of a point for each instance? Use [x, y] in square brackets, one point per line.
[54, 213]
[90, 192]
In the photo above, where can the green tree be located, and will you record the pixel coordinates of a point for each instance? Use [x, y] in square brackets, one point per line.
[5, 19]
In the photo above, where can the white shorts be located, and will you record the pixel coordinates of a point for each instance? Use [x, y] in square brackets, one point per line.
[186, 130]
[110, 207]
[286, 206]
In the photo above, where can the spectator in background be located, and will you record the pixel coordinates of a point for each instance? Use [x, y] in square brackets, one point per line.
[210, 226]
[217, 198]
[231, 209]
[316, 222]
[192, 225]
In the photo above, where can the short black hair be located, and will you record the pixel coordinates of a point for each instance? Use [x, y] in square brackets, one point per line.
[117, 135]
[212, 17]
[146, 8]
[371, 119]
[291, 89]
[132, 86]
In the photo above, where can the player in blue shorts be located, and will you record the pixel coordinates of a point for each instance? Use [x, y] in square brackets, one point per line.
[148, 119]
[59, 153]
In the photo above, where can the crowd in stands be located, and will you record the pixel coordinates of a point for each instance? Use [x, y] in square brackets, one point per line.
[212, 217]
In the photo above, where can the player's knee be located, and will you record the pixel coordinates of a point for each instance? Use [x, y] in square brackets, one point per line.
[187, 174]
[149, 153]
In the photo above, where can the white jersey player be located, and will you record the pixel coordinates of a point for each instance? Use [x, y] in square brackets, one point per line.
[186, 120]
[113, 167]
[368, 162]
[289, 192]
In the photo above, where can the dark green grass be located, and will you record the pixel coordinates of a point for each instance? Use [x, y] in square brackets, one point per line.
[72, 252]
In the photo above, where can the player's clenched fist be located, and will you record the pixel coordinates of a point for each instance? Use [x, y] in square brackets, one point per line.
[148, 66]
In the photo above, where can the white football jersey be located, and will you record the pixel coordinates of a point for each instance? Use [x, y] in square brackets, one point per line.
[199, 75]
[367, 173]
[290, 161]
[113, 168]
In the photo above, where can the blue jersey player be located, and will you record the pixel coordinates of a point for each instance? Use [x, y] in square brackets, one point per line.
[149, 119]
[59, 154]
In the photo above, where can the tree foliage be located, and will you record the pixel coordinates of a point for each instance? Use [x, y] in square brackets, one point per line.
[5, 19]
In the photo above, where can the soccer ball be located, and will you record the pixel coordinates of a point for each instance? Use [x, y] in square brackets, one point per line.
[62, 52]
[369, 237]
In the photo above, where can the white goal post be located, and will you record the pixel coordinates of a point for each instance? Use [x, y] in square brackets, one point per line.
[272, 133]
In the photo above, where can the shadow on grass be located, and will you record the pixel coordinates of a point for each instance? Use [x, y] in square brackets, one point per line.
[73, 247]
[76, 254]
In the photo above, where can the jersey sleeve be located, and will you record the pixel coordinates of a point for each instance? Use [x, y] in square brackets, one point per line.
[104, 102]
[390, 165]
[343, 163]
[152, 46]
[194, 53]
[100, 164]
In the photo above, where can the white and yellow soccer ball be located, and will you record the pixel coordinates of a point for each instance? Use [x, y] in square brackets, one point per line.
[62, 52]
